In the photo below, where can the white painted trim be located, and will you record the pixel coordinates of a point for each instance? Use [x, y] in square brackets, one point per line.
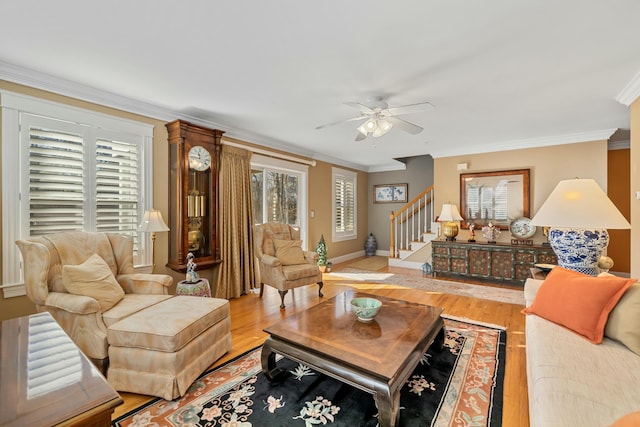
[350, 175]
[12, 219]
[302, 170]
[37, 80]
[15, 163]
[619, 145]
[630, 92]
[573, 138]
[269, 153]
[348, 257]
[13, 290]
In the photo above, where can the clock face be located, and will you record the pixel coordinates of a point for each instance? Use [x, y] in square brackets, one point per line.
[199, 158]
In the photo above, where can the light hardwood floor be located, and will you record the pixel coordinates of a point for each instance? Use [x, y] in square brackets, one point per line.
[250, 314]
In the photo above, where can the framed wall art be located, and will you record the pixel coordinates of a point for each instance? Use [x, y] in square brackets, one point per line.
[497, 197]
[390, 193]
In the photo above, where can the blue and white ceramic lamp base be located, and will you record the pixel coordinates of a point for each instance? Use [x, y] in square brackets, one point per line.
[579, 249]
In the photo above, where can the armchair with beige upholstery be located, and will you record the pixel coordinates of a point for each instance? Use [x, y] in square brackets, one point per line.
[282, 262]
[144, 340]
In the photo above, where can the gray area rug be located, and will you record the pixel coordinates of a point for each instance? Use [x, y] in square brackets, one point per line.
[426, 283]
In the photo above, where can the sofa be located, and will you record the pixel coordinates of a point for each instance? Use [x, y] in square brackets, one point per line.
[143, 339]
[573, 381]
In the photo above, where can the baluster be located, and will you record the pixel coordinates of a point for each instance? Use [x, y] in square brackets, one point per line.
[406, 230]
[392, 237]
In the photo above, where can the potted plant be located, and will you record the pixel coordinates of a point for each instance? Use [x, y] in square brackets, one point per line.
[329, 265]
[321, 250]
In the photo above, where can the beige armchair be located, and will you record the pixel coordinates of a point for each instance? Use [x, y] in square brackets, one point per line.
[282, 262]
[86, 318]
[144, 340]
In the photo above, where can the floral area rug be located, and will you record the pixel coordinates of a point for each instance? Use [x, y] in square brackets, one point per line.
[460, 385]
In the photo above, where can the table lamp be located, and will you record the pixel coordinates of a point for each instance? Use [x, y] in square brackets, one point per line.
[450, 216]
[578, 214]
[153, 223]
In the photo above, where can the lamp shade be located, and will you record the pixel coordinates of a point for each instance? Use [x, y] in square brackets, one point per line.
[153, 222]
[579, 203]
[449, 213]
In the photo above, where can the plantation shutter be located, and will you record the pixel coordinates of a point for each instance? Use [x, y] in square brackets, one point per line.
[501, 199]
[56, 178]
[66, 169]
[344, 205]
[79, 180]
[117, 185]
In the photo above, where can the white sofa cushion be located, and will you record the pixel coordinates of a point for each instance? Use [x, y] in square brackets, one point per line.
[573, 382]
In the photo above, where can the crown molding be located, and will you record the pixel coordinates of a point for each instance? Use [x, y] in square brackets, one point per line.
[59, 86]
[630, 92]
[619, 145]
[572, 138]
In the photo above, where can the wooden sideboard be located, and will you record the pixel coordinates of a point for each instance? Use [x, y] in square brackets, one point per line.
[494, 262]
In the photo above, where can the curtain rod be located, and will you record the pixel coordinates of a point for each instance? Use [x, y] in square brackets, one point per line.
[270, 153]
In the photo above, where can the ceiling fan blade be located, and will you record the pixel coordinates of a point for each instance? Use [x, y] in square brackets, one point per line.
[353, 119]
[360, 137]
[405, 125]
[359, 106]
[411, 108]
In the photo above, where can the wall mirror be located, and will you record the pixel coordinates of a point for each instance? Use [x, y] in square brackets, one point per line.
[497, 197]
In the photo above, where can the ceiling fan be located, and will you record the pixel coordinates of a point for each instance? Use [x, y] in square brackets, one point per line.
[378, 118]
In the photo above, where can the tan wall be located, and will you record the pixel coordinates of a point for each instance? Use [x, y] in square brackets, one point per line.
[635, 186]
[547, 165]
[319, 199]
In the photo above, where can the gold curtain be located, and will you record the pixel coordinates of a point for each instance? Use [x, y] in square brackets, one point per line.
[237, 270]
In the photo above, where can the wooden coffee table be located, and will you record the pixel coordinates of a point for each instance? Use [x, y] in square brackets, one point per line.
[377, 357]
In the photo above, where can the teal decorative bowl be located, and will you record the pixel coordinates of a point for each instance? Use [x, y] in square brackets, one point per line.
[365, 308]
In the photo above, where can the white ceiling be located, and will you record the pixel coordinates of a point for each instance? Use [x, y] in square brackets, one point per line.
[503, 74]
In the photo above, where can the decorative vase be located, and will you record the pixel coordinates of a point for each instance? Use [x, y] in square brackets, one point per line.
[426, 269]
[370, 246]
[579, 249]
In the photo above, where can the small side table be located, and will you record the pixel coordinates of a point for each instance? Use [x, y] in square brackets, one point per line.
[200, 288]
[537, 273]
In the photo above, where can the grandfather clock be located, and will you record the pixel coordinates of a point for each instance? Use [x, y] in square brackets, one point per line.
[194, 153]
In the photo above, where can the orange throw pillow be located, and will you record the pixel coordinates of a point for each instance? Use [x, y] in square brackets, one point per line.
[578, 302]
[629, 420]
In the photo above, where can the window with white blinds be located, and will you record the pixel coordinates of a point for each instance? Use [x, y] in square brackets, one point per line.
[68, 169]
[344, 204]
[79, 179]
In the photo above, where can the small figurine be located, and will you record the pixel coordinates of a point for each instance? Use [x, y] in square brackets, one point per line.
[192, 276]
[472, 233]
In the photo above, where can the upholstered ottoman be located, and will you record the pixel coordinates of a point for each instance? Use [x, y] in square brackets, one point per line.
[162, 349]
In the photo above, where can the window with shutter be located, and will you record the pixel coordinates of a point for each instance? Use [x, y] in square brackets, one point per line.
[77, 170]
[344, 204]
[56, 182]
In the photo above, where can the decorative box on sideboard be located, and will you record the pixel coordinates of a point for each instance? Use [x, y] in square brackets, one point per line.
[493, 262]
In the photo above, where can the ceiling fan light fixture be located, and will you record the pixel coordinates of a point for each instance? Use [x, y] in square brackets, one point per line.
[382, 128]
[362, 129]
[371, 125]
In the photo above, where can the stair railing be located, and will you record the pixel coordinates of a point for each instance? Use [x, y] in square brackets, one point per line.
[410, 222]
